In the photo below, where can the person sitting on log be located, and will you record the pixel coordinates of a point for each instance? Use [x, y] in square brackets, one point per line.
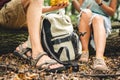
[15, 13]
[94, 23]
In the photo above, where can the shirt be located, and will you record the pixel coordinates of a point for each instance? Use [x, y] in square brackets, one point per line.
[93, 6]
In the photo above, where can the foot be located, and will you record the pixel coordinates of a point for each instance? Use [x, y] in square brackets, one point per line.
[21, 48]
[43, 61]
[84, 56]
[99, 64]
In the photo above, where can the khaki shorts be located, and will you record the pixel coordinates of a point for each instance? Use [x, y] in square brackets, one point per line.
[12, 15]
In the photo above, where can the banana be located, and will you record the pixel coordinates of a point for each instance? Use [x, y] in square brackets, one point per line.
[55, 2]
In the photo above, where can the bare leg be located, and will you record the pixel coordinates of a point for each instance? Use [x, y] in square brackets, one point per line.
[85, 27]
[34, 11]
[33, 20]
[100, 42]
[99, 36]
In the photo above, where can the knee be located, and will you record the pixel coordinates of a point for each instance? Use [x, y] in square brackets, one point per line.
[86, 14]
[36, 1]
[27, 2]
[97, 18]
[98, 22]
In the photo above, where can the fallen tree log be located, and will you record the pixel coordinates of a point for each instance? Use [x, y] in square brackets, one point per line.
[10, 39]
[115, 25]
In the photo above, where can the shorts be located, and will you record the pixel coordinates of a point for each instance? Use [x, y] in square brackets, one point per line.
[12, 15]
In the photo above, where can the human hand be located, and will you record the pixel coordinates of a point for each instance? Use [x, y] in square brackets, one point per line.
[98, 1]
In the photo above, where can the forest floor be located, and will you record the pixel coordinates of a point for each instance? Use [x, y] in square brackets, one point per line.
[14, 68]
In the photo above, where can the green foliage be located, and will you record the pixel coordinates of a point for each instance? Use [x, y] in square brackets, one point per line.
[46, 2]
[75, 14]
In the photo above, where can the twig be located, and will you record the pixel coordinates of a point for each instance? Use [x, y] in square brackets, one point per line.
[99, 75]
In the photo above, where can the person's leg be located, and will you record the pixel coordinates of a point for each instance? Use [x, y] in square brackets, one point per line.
[33, 20]
[13, 15]
[34, 12]
[85, 27]
[100, 42]
[99, 36]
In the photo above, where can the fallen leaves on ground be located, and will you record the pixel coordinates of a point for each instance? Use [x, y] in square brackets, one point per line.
[14, 68]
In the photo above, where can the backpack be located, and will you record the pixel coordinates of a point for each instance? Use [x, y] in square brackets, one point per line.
[59, 39]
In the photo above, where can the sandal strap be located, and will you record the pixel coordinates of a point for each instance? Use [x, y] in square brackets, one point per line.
[34, 61]
[47, 64]
[22, 51]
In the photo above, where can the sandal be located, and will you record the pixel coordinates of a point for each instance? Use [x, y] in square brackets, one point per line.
[22, 52]
[47, 64]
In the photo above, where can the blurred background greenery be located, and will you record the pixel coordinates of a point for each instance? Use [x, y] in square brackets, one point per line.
[70, 11]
